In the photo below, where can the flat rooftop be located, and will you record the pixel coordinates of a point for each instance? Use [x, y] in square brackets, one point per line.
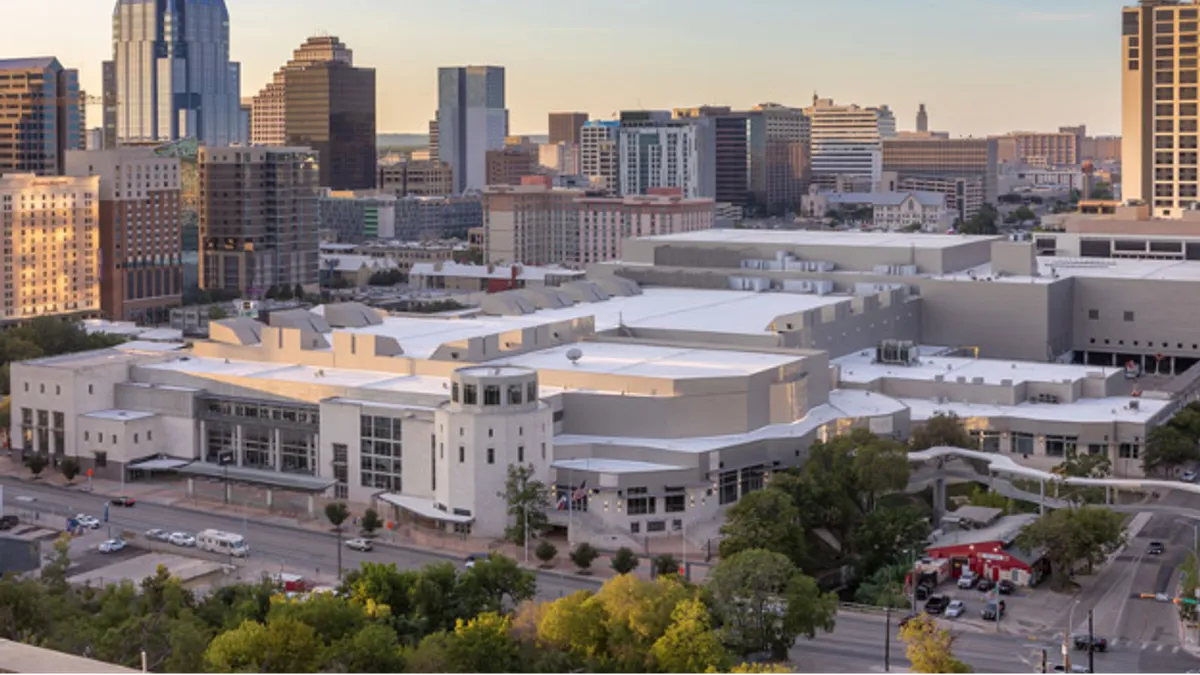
[1108, 409]
[858, 368]
[119, 415]
[96, 357]
[821, 238]
[684, 309]
[219, 369]
[635, 360]
[1051, 268]
[524, 272]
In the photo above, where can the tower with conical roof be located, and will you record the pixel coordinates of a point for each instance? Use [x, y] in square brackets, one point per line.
[173, 77]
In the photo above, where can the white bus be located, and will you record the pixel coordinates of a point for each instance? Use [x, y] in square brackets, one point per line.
[225, 543]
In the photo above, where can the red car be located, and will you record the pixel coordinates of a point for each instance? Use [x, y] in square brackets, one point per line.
[123, 501]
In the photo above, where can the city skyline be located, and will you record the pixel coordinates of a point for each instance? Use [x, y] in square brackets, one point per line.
[973, 84]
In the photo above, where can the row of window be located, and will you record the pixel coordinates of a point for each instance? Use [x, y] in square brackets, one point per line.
[87, 436]
[491, 393]
[1149, 344]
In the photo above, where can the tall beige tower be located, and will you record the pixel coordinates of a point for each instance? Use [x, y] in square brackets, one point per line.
[1159, 96]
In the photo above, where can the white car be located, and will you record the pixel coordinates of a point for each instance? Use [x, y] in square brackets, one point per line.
[87, 521]
[967, 580]
[1188, 477]
[182, 539]
[157, 534]
[955, 608]
[360, 544]
[112, 546]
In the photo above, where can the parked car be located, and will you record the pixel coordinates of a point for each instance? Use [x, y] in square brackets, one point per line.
[936, 604]
[1075, 668]
[122, 501]
[472, 558]
[1006, 587]
[158, 535]
[112, 546]
[1098, 644]
[924, 591]
[968, 579]
[182, 539]
[984, 585]
[1156, 548]
[1188, 477]
[993, 611]
[956, 608]
[8, 522]
[363, 545]
[87, 521]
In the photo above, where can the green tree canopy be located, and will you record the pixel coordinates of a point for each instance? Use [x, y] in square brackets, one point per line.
[528, 499]
[929, 647]
[1167, 448]
[764, 519]
[1071, 536]
[942, 430]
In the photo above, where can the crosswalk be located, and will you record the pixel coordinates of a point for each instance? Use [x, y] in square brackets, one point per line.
[1124, 644]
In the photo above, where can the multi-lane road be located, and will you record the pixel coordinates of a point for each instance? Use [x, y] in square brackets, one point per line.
[299, 550]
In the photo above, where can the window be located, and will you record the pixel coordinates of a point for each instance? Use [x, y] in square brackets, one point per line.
[514, 394]
[1059, 446]
[1096, 449]
[85, 435]
[520, 454]
[380, 452]
[1093, 314]
[674, 503]
[543, 451]
[1022, 443]
[1128, 450]
[531, 391]
[728, 487]
[470, 394]
[752, 479]
[149, 435]
[639, 503]
[101, 459]
[1129, 316]
[462, 454]
[491, 394]
[454, 392]
[135, 439]
[491, 455]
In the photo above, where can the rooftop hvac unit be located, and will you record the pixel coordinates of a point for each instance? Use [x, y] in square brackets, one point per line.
[897, 352]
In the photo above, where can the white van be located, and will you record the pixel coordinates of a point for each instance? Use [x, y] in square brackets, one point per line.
[225, 543]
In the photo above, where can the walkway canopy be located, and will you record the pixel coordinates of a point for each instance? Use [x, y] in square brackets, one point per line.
[270, 479]
[160, 464]
[423, 508]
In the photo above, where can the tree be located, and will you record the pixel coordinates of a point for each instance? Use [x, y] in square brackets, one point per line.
[763, 519]
[5, 408]
[545, 552]
[689, 645]
[298, 292]
[1071, 536]
[760, 668]
[284, 292]
[1024, 213]
[1166, 449]
[370, 521]
[583, 556]
[884, 533]
[981, 496]
[942, 430]
[69, 467]
[1102, 191]
[495, 584]
[665, 564]
[54, 572]
[216, 313]
[764, 603]
[1084, 465]
[983, 222]
[478, 645]
[1187, 420]
[386, 278]
[36, 463]
[624, 561]
[283, 646]
[929, 647]
[337, 513]
[374, 649]
[528, 499]
[884, 587]
[880, 466]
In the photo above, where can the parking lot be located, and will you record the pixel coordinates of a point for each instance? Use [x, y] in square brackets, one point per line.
[1027, 610]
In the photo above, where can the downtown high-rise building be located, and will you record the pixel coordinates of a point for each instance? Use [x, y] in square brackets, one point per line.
[38, 90]
[922, 119]
[779, 156]
[846, 141]
[258, 218]
[1160, 105]
[173, 76]
[565, 127]
[140, 228]
[731, 153]
[600, 155]
[660, 152]
[269, 107]
[472, 119]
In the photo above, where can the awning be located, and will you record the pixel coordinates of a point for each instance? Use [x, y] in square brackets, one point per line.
[423, 508]
[266, 478]
[161, 464]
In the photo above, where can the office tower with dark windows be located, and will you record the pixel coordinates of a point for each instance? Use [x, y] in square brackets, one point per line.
[173, 75]
[258, 218]
[472, 119]
[38, 89]
[565, 127]
[331, 108]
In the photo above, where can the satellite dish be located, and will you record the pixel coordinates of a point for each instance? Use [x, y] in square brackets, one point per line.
[574, 354]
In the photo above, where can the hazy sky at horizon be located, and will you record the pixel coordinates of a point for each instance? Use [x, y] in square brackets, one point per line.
[980, 66]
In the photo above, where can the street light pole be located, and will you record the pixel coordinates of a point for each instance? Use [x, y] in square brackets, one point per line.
[887, 639]
[1091, 645]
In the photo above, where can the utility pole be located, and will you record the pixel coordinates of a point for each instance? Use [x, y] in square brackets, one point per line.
[1045, 666]
[887, 639]
[1091, 645]
[526, 528]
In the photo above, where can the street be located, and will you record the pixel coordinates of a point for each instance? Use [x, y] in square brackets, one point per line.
[299, 550]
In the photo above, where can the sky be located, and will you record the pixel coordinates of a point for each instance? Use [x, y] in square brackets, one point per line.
[979, 66]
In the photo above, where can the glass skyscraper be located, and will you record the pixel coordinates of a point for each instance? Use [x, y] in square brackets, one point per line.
[472, 119]
[173, 75]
